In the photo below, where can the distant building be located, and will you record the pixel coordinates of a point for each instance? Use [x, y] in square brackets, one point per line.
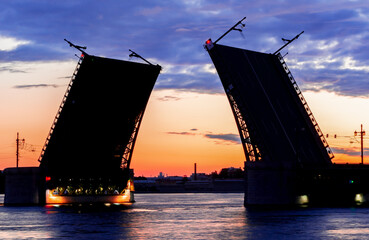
[161, 175]
[230, 173]
[2, 182]
[200, 177]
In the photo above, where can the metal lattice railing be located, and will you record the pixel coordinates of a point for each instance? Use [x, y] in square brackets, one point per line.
[251, 151]
[61, 107]
[250, 145]
[127, 155]
[308, 111]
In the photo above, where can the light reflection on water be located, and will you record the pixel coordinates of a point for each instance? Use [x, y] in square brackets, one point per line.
[182, 216]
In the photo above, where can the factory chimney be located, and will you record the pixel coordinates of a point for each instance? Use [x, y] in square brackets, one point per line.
[195, 174]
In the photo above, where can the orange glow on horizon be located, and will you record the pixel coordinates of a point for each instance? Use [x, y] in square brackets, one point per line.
[172, 135]
[173, 131]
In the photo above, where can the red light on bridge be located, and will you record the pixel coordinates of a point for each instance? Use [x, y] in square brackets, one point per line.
[47, 178]
[208, 44]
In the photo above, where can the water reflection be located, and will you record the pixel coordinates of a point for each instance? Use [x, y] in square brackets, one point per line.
[154, 216]
[189, 216]
[89, 222]
[182, 216]
[307, 223]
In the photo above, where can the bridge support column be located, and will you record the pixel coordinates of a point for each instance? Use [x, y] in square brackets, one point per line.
[24, 186]
[270, 186]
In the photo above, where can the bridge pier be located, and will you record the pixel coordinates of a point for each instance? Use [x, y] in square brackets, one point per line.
[24, 186]
[270, 185]
[339, 185]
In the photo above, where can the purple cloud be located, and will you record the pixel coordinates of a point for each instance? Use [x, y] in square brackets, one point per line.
[349, 151]
[180, 133]
[36, 86]
[227, 138]
[331, 55]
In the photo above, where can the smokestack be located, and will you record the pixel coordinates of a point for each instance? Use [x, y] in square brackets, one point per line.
[195, 174]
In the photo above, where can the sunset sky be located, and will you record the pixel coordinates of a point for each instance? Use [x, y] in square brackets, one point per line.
[188, 118]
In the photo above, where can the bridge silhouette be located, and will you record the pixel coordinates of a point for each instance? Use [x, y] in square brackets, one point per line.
[87, 154]
[288, 160]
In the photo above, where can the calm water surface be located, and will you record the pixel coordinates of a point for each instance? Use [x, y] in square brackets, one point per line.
[182, 216]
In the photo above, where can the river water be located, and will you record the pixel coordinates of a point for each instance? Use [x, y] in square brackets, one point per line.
[182, 216]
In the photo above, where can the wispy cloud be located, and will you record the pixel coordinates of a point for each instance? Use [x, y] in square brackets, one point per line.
[349, 151]
[36, 86]
[169, 98]
[219, 138]
[66, 77]
[11, 69]
[9, 43]
[225, 138]
[181, 133]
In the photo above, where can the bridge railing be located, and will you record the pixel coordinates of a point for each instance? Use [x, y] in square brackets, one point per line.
[306, 106]
[61, 107]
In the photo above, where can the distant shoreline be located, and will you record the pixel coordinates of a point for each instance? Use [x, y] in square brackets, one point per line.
[213, 186]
